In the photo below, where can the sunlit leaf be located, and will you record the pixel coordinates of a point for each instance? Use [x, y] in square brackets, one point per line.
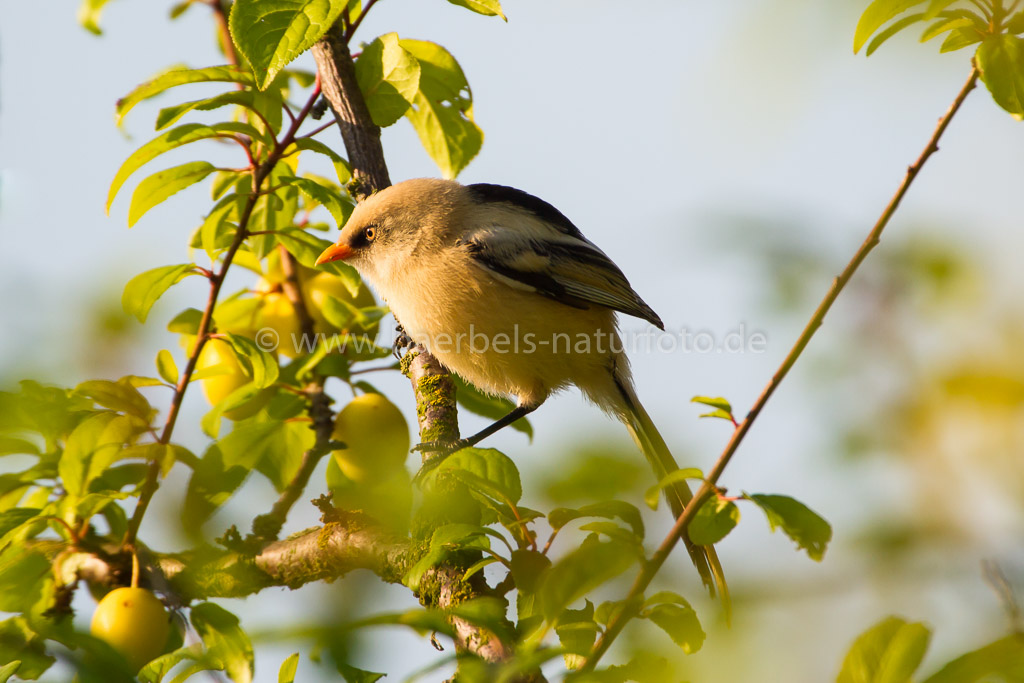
[892, 30]
[486, 470]
[1001, 62]
[389, 78]
[713, 521]
[180, 76]
[653, 494]
[224, 639]
[888, 652]
[271, 33]
[877, 14]
[1002, 660]
[162, 185]
[442, 111]
[489, 8]
[286, 674]
[166, 367]
[89, 12]
[143, 290]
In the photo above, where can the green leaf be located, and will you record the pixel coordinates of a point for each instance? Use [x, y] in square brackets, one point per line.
[478, 566]
[485, 470]
[241, 98]
[960, 38]
[943, 25]
[799, 522]
[527, 567]
[611, 509]
[339, 208]
[1015, 24]
[180, 76]
[577, 631]
[892, 30]
[155, 671]
[442, 111]
[18, 643]
[89, 15]
[445, 540]
[14, 518]
[166, 367]
[259, 364]
[652, 494]
[717, 402]
[341, 166]
[186, 322]
[120, 396]
[934, 7]
[92, 447]
[272, 33]
[165, 184]
[286, 674]
[8, 670]
[489, 8]
[680, 622]
[306, 248]
[225, 640]
[176, 137]
[1001, 62]
[389, 78]
[877, 14]
[143, 290]
[713, 521]
[493, 407]
[888, 652]
[353, 675]
[1002, 660]
[590, 565]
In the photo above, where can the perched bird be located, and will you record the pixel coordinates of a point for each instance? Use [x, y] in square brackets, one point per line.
[507, 293]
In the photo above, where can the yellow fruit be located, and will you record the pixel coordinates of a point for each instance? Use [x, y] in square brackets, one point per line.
[324, 285]
[278, 313]
[218, 353]
[134, 622]
[376, 436]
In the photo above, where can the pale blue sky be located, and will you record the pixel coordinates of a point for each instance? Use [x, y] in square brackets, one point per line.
[639, 121]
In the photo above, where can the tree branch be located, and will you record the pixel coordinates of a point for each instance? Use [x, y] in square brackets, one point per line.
[434, 389]
[707, 489]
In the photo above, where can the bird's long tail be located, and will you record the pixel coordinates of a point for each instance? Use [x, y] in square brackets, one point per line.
[650, 441]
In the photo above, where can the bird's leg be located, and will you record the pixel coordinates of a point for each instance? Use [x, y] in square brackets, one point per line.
[444, 449]
[447, 448]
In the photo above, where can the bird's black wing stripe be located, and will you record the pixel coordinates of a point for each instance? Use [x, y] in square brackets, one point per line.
[485, 192]
[543, 284]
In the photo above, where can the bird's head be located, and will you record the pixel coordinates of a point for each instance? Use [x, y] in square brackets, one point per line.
[395, 221]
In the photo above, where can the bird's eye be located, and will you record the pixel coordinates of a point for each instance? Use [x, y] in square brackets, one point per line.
[370, 233]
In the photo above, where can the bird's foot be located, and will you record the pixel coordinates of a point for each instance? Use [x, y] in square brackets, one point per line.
[401, 343]
[442, 448]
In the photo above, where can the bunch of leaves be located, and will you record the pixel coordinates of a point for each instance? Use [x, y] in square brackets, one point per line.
[995, 26]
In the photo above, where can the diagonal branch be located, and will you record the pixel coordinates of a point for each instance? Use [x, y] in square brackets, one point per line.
[708, 488]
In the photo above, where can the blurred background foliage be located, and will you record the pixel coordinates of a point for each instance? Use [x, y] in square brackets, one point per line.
[771, 147]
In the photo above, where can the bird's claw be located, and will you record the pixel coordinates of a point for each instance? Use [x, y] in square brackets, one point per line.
[401, 343]
[442, 448]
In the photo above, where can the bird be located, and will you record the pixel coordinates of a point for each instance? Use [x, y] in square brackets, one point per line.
[506, 292]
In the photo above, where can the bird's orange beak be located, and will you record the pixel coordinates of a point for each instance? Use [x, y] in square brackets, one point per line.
[335, 252]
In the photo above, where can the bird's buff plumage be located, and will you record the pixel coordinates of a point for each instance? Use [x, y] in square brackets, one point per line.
[507, 293]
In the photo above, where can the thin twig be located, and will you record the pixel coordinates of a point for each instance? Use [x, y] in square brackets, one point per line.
[261, 173]
[351, 30]
[708, 488]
